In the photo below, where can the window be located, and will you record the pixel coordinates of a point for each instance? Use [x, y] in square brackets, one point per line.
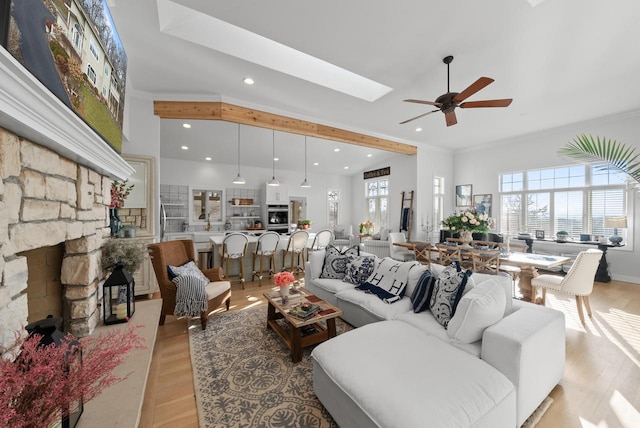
[91, 74]
[77, 36]
[377, 200]
[107, 70]
[93, 48]
[333, 204]
[438, 201]
[575, 199]
[104, 91]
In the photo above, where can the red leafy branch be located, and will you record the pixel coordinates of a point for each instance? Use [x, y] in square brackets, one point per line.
[44, 380]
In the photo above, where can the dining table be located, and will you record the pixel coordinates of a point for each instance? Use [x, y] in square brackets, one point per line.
[529, 264]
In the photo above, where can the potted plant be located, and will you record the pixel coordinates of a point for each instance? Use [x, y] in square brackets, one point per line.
[562, 236]
[306, 224]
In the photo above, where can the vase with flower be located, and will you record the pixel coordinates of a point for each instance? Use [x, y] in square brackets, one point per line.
[284, 280]
[467, 222]
[119, 193]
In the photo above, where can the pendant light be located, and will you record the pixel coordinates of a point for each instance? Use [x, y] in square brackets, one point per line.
[273, 181]
[239, 179]
[305, 183]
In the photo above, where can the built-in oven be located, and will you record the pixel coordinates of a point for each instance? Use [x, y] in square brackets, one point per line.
[278, 218]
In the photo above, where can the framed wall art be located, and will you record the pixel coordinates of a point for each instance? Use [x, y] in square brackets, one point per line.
[463, 195]
[482, 203]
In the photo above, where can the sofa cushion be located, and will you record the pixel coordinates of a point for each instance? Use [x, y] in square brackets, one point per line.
[359, 269]
[372, 304]
[421, 295]
[389, 279]
[478, 309]
[332, 285]
[414, 276]
[447, 292]
[335, 261]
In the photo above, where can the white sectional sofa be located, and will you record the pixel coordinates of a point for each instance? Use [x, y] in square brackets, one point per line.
[401, 368]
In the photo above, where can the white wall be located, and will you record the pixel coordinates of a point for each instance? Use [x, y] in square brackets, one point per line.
[481, 167]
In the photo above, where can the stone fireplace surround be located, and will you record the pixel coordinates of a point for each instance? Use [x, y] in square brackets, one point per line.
[55, 180]
[46, 200]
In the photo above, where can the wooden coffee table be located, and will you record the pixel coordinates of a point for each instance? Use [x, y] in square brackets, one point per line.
[292, 334]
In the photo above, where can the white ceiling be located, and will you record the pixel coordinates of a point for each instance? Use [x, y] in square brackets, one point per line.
[562, 62]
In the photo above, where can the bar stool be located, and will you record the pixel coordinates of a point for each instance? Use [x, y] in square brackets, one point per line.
[295, 248]
[234, 247]
[265, 248]
[320, 241]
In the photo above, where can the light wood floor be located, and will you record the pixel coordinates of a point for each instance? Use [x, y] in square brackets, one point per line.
[600, 388]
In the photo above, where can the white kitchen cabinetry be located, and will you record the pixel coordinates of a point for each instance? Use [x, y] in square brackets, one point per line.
[145, 277]
[276, 194]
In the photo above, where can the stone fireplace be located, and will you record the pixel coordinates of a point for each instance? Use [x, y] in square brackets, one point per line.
[48, 200]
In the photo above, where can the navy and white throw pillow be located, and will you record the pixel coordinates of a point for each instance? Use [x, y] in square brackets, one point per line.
[189, 268]
[359, 269]
[335, 261]
[388, 280]
[422, 293]
[447, 292]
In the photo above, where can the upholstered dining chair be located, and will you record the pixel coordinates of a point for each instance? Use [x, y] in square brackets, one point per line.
[266, 248]
[234, 247]
[397, 252]
[177, 253]
[296, 247]
[577, 282]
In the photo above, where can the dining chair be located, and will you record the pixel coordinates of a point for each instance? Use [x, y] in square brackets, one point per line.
[484, 244]
[295, 250]
[399, 253]
[422, 251]
[320, 241]
[266, 248]
[177, 253]
[454, 240]
[486, 261]
[577, 282]
[234, 248]
[448, 254]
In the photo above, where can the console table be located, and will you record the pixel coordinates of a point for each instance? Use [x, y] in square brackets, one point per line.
[602, 274]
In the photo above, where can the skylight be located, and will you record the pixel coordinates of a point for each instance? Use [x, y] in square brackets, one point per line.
[196, 27]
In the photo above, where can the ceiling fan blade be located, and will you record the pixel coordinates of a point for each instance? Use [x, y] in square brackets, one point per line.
[487, 103]
[418, 117]
[431, 103]
[473, 88]
[451, 118]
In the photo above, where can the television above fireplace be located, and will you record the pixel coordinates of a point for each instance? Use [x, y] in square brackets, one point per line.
[72, 47]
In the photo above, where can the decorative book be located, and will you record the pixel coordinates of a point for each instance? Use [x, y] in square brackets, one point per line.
[304, 312]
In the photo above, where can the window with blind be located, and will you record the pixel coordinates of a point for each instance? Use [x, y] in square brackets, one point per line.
[575, 199]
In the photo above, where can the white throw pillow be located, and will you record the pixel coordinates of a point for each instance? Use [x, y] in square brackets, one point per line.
[480, 308]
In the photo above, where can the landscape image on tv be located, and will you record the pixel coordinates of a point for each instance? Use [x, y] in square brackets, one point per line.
[73, 48]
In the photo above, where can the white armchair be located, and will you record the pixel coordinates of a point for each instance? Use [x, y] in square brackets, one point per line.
[343, 236]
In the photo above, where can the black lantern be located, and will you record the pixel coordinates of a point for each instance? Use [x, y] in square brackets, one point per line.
[118, 303]
[49, 334]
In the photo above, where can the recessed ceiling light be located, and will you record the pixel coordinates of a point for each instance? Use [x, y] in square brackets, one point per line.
[316, 164]
[346, 167]
[207, 158]
[248, 81]
[186, 125]
[418, 129]
[369, 155]
[276, 159]
[184, 148]
[336, 150]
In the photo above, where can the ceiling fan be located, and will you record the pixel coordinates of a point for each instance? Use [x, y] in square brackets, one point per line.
[448, 102]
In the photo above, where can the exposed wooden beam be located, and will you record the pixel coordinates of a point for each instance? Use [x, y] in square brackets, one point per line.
[205, 110]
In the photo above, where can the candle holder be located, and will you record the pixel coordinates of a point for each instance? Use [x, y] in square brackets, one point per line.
[428, 229]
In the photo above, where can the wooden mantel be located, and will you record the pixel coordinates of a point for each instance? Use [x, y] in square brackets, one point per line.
[232, 113]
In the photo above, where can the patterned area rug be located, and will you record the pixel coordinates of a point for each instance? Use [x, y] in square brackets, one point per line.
[244, 376]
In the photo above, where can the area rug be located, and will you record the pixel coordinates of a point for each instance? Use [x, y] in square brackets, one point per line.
[244, 377]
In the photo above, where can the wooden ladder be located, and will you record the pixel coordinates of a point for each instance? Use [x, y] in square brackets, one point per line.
[406, 210]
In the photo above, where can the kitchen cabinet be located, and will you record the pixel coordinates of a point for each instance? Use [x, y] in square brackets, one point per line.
[276, 194]
[145, 277]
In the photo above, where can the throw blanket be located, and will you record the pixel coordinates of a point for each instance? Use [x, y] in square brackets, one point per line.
[383, 294]
[191, 296]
